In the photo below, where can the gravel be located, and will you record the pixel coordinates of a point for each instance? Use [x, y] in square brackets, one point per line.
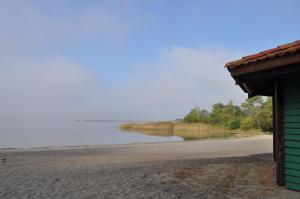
[229, 168]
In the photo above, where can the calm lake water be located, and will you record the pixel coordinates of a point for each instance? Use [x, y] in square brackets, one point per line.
[71, 133]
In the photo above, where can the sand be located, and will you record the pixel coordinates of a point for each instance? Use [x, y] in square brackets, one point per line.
[229, 168]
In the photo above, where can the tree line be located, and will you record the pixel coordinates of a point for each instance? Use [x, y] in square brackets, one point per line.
[253, 113]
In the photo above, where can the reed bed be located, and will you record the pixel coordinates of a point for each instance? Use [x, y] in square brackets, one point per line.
[153, 128]
[200, 131]
[185, 130]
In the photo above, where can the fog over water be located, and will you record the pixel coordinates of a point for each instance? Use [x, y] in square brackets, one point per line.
[70, 133]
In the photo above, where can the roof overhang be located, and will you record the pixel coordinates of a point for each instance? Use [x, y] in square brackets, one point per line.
[256, 76]
[269, 64]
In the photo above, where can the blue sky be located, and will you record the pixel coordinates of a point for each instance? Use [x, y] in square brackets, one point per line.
[238, 25]
[130, 59]
[244, 26]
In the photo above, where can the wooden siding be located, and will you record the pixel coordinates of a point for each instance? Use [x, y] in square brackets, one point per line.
[291, 96]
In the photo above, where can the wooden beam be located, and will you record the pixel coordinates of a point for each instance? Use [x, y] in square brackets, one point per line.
[279, 133]
[274, 128]
[262, 82]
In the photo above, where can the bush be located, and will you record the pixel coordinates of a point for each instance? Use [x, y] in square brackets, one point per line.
[233, 123]
[247, 123]
[264, 121]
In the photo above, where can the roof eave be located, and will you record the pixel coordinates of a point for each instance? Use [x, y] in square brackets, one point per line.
[271, 63]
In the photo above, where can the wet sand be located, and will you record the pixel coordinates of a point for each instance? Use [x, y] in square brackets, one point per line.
[229, 168]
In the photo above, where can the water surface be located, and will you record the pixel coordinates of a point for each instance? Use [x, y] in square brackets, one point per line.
[71, 133]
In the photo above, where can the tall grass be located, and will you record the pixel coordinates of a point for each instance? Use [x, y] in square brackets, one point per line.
[153, 128]
[188, 131]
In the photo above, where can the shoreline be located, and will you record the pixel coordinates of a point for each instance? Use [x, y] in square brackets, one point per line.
[54, 148]
[210, 168]
[187, 131]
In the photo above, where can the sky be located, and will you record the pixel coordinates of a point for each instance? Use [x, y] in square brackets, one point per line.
[127, 59]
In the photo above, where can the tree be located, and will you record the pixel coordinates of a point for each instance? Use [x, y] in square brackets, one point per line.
[264, 117]
[247, 123]
[234, 123]
[255, 112]
[252, 105]
[193, 116]
[216, 115]
[226, 115]
[196, 115]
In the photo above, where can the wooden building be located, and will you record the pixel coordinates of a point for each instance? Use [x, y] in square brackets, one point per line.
[276, 73]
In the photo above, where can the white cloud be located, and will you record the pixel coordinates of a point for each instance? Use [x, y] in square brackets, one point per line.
[163, 89]
[181, 78]
[53, 86]
[27, 30]
[36, 80]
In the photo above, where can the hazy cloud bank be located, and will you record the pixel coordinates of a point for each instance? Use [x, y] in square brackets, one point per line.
[180, 79]
[39, 83]
[163, 89]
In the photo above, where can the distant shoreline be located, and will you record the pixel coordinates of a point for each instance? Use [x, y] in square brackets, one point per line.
[117, 121]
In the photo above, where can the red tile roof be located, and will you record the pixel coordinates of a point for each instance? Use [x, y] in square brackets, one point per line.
[268, 54]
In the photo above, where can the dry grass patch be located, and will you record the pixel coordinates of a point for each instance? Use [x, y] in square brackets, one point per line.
[153, 128]
[187, 131]
[190, 131]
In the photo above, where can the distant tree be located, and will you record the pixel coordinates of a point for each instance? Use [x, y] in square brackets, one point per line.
[232, 115]
[247, 123]
[226, 115]
[196, 115]
[264, 118]
[215, 117]
[255, 112]
[234, 123]
[193, 116]
[251, 105]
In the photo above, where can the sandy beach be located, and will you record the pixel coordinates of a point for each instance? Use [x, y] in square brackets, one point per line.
[224, 168]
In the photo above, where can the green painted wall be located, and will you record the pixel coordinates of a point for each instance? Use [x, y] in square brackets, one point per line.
[291, 98]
